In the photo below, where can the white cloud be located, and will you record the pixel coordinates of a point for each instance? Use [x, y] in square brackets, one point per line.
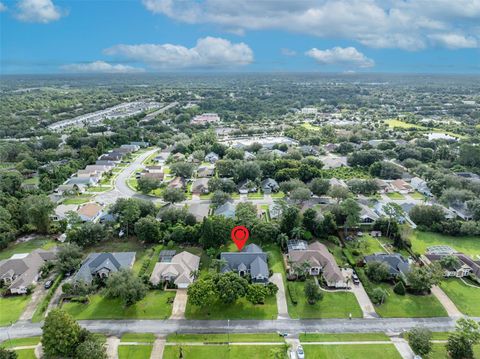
[101, 67]
[345, 56]
[375, 23]
[2, 7]
[42, 11]
[288, 52]
[455, 41]
[209, 52]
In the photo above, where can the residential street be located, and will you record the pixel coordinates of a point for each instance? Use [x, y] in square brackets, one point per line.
[162, 327]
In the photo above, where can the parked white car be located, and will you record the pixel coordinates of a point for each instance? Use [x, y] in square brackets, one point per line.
[300, 352]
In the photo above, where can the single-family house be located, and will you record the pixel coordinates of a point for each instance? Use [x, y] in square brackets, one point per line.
[105, 163]
[212, 157]
[101, 265]
[62, 210]
[247, 186]
[90, 212]
[70, 189]
[252, 260]
[85, 181]
[199, 210]
[249, 156]
[397, 265]
[154, 169]
[466, 264]
[23, 270]
[111, 156]
[384, 186]
[155, 175]
[401, 186]
[421, 186]
[177, 182]
[320, 262]
[200, 186]
[179, 269]
[227, 210]
[462, 211]
[269, 185]
[367, 215]
[205, 171]
[337, 182]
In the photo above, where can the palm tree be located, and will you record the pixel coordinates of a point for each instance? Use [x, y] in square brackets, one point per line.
[194, 274]
[297, 232]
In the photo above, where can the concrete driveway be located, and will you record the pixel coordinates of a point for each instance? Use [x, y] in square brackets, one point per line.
[282, 307]
[179, 304]
[364, 301]
[36, 297]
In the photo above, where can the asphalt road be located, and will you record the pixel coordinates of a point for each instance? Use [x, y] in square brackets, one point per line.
[291, 326]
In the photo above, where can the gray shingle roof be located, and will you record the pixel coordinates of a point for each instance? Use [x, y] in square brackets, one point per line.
[111, 261]
[251, 257]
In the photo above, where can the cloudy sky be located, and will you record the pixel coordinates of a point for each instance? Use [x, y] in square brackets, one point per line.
[134, 36]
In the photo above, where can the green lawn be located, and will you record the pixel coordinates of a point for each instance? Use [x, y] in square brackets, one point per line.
[220, 351]
[77, 200]
[333, 305]
[221, 338]
[348, 351]
[395, 196]
[422, 240]
[467, 299]
[153, 306]
[26, 247]
[20, 342]
[440, 352]
[401, 124]
[256, 195]
[241, 309]
[134, 351]
[409, 305]
[278, 195]
[417, 195]
[99, 188]
[15, 304]
[138, 337]
[343, 337]
[26, 354]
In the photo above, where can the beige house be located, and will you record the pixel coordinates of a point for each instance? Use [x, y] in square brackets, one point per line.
[178, 269]
[23, 270]
[320, 262]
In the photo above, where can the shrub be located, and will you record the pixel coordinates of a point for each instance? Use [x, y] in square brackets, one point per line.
[399, 288]
[378, 296]
[292, 293]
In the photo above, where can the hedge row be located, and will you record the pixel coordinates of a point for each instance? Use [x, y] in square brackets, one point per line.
[292, 292]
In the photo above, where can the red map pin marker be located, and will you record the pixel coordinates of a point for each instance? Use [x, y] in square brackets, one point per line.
[239, 236]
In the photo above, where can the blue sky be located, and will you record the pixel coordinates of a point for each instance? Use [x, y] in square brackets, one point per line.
[88, 36]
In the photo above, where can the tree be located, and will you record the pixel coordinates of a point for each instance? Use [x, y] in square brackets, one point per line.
[377, 271]
[312, 292]
[393, 211]
[246, 215]
[310, 220]
[215, 231]
[351, 210]
[399, 288]
[300, 195]
[39, 210]
[219, 198]
[148, 184]
[265, 232]
[7, 354]
[173, 195]
[147, 229]
[69, 258]
[422, 279]
[424, 215]
[91, 347]
[182, 169]
[319, 186]
[87, 234]
[378, 296]
[338, 192]
[11, 182]
[246, 170]
[449, 261]
[125, 285]
[419, 340]
[128, 211]
[256, 293]
[289, 219]
[202, 292]
[230, 287]
[61, 335]
[461, 341]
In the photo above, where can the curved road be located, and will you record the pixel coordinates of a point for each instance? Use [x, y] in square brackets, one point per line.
[292, 326]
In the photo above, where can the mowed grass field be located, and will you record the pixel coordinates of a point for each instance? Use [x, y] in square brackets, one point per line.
[466, 298]
[222, 351]
[134, 351]
[350, 351]
[333, 305]
[409, 305]
[154, 306]
[11, 308]
[220, 338]
[422, 240]
[440, 352]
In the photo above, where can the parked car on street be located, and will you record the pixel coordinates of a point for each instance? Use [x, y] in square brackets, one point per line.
[48, 284]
